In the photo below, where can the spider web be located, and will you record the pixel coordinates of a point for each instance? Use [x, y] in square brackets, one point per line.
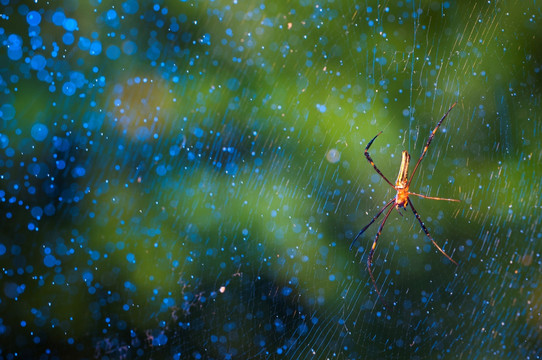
[184, 179]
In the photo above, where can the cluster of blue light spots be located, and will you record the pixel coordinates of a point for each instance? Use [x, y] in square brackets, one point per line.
[159, 340]
[68, 88]
[94, 47]
[68, 38]
[78, 171]
[206, 39]
[49, 260]
[267, 22]
[229, 326]
[286, 291]
[169, 302]
[46, 68]
[88, 277]
[94, 255]
[37, 212]
[279, 325]
[161, 170]
[7, 112]
[198, 132]
[322, 108]
[113, 52]
[38, 62]
[15, 47]
[12, 290]
[233, 84]
[60, 19]
[33, 18]
[39, 132]
[131, 258]
[111, 14]
[130, 6]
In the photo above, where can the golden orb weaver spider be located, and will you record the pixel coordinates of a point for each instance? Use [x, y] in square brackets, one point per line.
[401, 199]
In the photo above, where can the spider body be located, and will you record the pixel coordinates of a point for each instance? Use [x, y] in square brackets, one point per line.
[402, 198]
[401, 184]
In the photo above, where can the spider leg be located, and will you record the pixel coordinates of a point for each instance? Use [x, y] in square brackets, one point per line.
[427, 233]
[432, 197]
[372, 162]
[428, 143]
[370, 223]
[371, 253]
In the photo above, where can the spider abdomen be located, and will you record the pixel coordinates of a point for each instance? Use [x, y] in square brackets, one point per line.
[402, 177]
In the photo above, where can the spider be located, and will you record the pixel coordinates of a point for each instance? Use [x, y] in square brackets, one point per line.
[401, 199]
